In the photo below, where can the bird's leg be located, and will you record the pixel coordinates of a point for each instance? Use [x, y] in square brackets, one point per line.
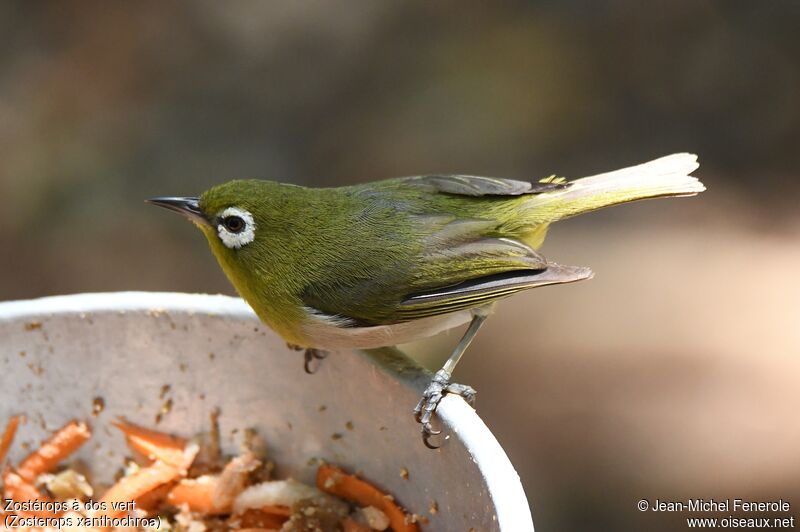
[440, 385]
[309, 356]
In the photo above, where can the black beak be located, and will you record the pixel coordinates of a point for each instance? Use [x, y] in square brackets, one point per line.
[189, 207]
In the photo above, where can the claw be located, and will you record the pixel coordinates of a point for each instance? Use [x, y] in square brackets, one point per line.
[436, 390]
[467, 392]
[440, 384]
[427, 432]
[309, 356]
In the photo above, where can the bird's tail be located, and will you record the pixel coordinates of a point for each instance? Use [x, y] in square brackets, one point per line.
[664, 177]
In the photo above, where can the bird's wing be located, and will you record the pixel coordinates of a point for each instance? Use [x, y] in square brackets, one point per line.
[456, 250]
[458, 265]
[470, 185]
[485, 289]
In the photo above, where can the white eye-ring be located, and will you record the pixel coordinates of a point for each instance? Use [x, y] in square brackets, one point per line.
[236, 227]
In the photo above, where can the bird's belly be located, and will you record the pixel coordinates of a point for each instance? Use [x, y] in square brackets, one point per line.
[327, 334]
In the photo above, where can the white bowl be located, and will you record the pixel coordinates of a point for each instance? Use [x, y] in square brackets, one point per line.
[60, 353]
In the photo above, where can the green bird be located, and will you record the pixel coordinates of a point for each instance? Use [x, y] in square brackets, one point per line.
[393, 261]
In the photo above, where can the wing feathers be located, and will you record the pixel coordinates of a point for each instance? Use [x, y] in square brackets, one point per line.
[471, 185]
[476, 292]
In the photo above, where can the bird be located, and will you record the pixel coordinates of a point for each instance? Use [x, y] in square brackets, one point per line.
[397, 260]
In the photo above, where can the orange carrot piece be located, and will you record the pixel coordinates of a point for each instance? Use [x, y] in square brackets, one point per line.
[143, 482]
[197, 494]
[128, 489]
[234, 479]
[58, 447]
[262, 519]
[154, 499]
[335, 481]
[18, 489]
[349, 525]
[8, 436]
[274, 509]
[153, 444]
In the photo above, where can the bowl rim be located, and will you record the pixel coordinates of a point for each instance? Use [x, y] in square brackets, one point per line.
[503, 482]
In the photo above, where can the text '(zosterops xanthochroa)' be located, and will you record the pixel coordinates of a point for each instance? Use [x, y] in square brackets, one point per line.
[394, 261]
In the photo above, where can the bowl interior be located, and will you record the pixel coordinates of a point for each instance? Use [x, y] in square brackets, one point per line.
[168, 360]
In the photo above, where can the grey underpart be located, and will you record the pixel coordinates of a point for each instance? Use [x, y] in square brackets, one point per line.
[440, 384]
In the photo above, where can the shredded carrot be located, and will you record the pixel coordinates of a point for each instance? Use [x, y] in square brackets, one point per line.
[335, 481]
[197, 494]
[349, 525]
[143, 482]
[203, 494]
[274, 509]
[263, 519]
[234, 479]
[18, 489]
[58, 447]
[128, 489]
[163, 482]
[153, 444]
[8, 436]
[154, 499]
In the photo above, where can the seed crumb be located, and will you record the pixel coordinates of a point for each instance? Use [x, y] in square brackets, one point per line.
[166, 408]
[404, 473]
[98, 405]
[214, 436]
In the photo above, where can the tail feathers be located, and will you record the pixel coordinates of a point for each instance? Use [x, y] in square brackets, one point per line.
[665, 177]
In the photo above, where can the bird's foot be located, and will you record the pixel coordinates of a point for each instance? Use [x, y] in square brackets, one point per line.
[310, 356]
[436, 390]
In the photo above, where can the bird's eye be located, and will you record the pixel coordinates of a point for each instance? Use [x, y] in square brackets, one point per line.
[234, 224]
[235, 227]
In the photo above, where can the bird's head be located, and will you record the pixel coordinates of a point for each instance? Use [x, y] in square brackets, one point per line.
[240, 220]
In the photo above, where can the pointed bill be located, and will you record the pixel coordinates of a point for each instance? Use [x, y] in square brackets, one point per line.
[187, 206]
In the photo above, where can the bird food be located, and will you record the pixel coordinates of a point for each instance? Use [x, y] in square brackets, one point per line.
[180, 485]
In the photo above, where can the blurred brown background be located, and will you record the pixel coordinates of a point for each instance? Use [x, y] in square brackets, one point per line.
[673, 374]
